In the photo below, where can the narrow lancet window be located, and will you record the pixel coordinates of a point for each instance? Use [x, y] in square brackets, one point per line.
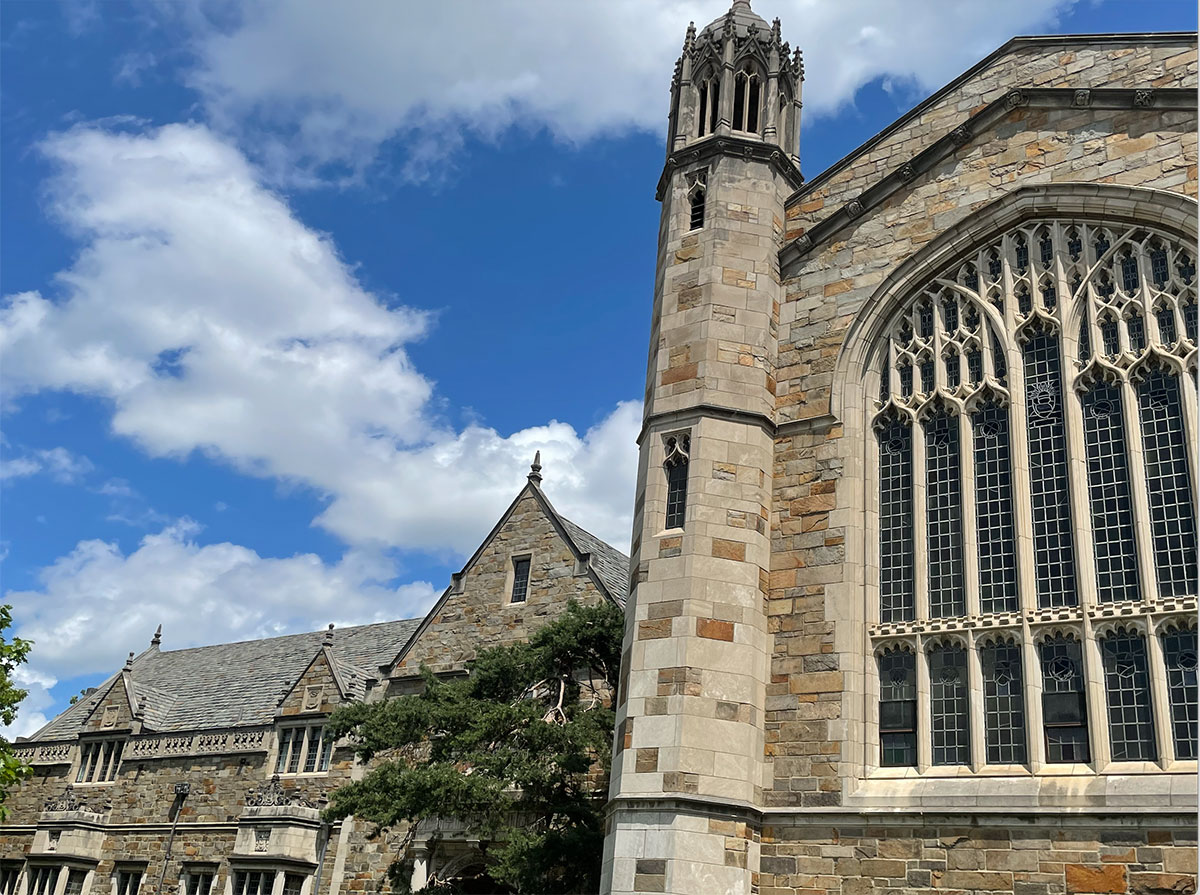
[943, 513]
[1172, 518]
[1053, 543]
[1003, 703]
[898, 709]
[676, 464]
[896, 601]
[1127, 682]
[1064, 705]
[949, 720]
[1108, 493]
[520, 587]
[1179, 650]
[994, 512]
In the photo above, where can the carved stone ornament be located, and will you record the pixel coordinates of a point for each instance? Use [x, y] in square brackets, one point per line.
[961, 135]
[262, 838]
[272, 794]
[313, 697]
[854, 208]
[1143, 99]
[1082, 98]
[52, 840]
[907, 172]
[804, 243]
[1014, 99]
[68, 801]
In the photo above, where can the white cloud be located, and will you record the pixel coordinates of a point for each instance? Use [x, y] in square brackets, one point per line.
[214, 320]
[96, 604]
[59, 463]
[326, 84]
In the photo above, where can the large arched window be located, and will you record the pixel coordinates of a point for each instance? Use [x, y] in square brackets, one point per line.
[708, 103]
[1035, 522]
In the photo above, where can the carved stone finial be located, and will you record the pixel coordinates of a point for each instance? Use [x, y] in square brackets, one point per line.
[798, 63]
[156, 640]
[535, 468]
[129, 663]
[689, 39]
[329, 635]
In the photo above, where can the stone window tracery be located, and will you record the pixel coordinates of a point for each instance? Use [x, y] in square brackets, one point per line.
[747, 99]
[708, 103]
[1031, 472]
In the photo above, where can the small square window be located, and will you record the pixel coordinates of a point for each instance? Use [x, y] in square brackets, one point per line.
[520, 588]
[197, 880]
[128, 880]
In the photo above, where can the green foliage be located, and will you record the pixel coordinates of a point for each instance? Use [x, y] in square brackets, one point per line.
[519, 749]
[12, 653]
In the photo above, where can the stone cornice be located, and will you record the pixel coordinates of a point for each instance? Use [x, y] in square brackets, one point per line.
[968, 130]
[737, 147]
[675, 418]
[700, 806]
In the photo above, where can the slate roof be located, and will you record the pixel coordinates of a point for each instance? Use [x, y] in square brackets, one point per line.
[610, 563]
[237, 684]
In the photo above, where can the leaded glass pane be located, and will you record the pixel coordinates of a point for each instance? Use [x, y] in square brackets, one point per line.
[1003, 703]
[1053, 543]
[951, 361]
[1108, 336]
[927, 375]
[1085, 341]
[949, 724]
[994, 512]
[1136, 327]
[677, 474]
[1179, 651]
[1127, 681]
[898, 709]
[896, 601]
[1166, 326]
[1129, 274]
[974, 365]
[1189, 320]
[943, 514]
[1064, 707]
[1172, 517]
[1108, 493]
[1158, 267]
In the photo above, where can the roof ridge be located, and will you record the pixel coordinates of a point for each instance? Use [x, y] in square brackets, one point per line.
[186, 649]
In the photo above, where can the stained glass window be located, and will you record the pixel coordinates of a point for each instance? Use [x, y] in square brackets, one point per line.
[1179, 649]
[1108, 492]
[1127, 682]
[943, 515]
[1064, 704]
[949, 724]
[898, 709]
[1003, 703]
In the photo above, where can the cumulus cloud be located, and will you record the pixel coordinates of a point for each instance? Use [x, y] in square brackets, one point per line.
[97, 603]
[322, 84]
[214, 320]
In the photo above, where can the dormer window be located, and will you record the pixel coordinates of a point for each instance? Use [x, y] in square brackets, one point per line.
[303, 749]
[99, 760]
[747, 100]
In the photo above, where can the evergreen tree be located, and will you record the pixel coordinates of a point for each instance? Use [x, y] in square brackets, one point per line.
[519, 750]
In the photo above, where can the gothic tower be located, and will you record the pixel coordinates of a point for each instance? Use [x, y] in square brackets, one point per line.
[690, 739]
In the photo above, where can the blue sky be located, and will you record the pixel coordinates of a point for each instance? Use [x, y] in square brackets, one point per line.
[293, 291]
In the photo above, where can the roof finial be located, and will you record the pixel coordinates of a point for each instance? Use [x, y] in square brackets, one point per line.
[535, 468]
[329, 635]
[129, 663]
[156, 640]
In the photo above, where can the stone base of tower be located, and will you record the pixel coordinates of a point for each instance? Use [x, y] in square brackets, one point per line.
[674, 847]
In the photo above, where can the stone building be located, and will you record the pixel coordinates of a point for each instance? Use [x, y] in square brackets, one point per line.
[912, 600]
[914, 556]
[203, 771]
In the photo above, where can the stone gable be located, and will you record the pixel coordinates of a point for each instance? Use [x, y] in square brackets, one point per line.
[112, 712]
[477, 611]
[316, 692]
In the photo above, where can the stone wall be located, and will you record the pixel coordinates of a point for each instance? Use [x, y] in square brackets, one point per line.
[478, 611]
[816, 707]
[1018, 855]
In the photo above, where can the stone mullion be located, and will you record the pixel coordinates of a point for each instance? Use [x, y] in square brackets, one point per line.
[924, 710]
[1072, 411]
[277, 884]
[1097, 703]
[1035, 729]
[975, 710]
[920, 523]
[60, 880]
[1143, 533]
[1160, 703]
[1018, 447]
